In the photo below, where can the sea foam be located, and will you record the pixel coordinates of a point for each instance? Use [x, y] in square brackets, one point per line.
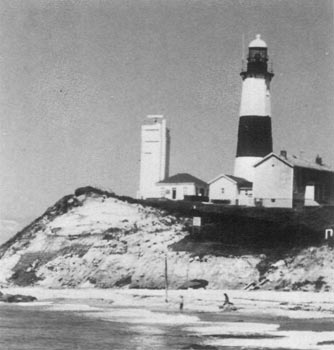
[141, 316]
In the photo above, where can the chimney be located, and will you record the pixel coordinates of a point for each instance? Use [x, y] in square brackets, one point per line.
[283, 154]
[318, 160]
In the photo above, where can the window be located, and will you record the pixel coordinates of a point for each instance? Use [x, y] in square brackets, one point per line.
[222, 190]
[174, 192]
[273, 200]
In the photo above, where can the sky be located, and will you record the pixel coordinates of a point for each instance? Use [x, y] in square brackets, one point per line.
[77, 79]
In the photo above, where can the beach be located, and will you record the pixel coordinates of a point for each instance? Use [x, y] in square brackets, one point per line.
[263, 319]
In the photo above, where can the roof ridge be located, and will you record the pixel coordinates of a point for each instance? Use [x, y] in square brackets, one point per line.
[182, 178]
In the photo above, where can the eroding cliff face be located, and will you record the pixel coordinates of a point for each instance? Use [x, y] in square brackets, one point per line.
[93, 239]
[311, 269]
[96, 239]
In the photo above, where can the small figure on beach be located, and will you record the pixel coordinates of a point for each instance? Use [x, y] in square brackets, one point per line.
[227, 306]
[227, 300]
[181, 302]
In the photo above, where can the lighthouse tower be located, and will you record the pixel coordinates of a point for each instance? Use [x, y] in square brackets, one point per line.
[254, 134]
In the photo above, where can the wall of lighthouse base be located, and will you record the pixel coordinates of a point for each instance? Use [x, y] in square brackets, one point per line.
[243, 167]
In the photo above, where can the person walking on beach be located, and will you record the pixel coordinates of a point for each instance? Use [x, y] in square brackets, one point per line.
[181, 303]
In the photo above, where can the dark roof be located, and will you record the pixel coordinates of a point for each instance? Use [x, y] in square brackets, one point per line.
[303, 163]
[295, 162]
[183, 178]
[272, 154]
[241, 181]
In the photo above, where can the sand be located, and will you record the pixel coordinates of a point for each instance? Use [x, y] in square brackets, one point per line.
[288, 304]
[257, 323]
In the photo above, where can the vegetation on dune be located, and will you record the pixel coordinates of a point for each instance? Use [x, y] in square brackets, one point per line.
[235, 246]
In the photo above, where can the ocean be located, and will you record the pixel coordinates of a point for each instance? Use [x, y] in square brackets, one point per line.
[23, 328]
[41, 327]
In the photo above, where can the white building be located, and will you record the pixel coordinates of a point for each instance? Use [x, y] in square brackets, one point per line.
[287, 181]
[178, 186]
[230, 189]
[154, 157]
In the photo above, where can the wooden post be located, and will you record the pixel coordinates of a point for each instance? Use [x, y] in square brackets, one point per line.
[166, 279]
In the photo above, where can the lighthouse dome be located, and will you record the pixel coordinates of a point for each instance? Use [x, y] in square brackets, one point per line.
[258, 42]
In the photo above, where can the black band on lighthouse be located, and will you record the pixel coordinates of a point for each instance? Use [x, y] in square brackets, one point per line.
[254, 136]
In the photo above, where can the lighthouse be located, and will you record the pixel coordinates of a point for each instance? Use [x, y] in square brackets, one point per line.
[254, 133]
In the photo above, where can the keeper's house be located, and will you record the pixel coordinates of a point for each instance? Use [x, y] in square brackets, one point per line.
[229, 189]
[178, 186]
[284, 181]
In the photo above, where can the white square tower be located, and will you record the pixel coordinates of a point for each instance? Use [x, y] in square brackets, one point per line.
[154, 157]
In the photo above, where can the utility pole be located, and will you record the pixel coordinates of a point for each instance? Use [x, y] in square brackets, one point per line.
[166, 279]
